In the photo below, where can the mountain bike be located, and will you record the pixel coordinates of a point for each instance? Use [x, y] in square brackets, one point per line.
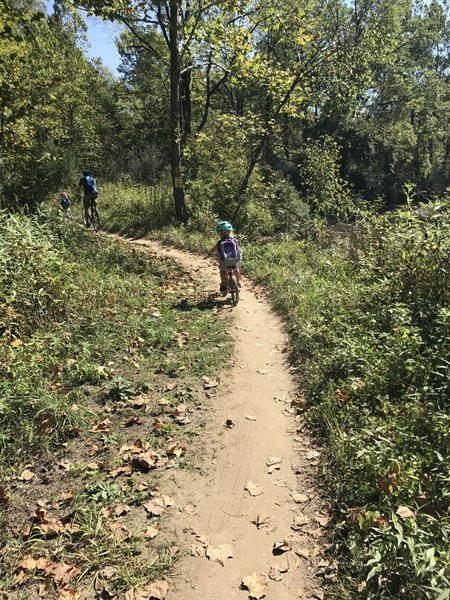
[93, 216]
[232, 285]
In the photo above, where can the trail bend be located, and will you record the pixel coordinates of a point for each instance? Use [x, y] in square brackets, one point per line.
[255, 395]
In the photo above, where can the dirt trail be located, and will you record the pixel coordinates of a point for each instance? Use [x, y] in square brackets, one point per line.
[258, 386]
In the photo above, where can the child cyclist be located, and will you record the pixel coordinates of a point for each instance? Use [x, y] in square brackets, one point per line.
[228, 253]
[64, 204]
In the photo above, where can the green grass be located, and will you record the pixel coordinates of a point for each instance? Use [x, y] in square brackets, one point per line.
[369, 328]
[88, 325]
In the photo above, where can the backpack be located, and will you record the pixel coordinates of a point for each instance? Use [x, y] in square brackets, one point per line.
[229, 250]
[92, 186]
[65, 202]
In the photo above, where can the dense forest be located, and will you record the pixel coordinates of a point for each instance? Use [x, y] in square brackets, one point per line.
[321, 128]
[320, 103]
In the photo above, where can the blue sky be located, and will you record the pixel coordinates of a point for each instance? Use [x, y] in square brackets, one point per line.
[101, 36]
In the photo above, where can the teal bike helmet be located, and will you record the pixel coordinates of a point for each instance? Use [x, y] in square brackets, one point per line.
[224, 226]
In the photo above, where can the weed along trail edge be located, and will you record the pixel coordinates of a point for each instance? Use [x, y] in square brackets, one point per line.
[252, 514]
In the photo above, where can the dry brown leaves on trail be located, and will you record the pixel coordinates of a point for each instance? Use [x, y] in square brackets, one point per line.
[61, 573]
[257, 585]
[154, 591]
[253, 489]
[219, 554]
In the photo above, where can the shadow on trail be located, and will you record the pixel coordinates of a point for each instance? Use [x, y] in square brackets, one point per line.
[211, 302]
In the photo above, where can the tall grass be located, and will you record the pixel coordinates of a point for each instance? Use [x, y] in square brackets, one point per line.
[369, 325]
[136, 209]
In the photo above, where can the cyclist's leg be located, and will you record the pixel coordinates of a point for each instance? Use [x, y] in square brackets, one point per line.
[223, 279]
[86, 210]
[237, 271]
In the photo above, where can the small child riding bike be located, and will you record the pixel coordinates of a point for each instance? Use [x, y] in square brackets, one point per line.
[228, 252]
[64, 204]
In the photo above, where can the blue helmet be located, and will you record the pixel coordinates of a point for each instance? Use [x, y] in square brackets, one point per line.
[224, 226]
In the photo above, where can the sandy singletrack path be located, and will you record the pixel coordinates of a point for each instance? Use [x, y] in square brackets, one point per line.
[256, 396]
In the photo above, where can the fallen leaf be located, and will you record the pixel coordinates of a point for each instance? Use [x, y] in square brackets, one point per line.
[273, 460]
[66, 496]
[126, 470]
[64, 573]
[175, 449]
[157, 590]
[141, 400]
[189, 509]
[275, 574]
[155, 508]
[152, 531]
[253, 489]
[219, 554]
[94, 466]
[283, 546]
[299, 498]
[132, 421]
[4, 496]
[299, 521]
[65, 464]
[26, 475]
[137, 447]
[209, 383]
[404, 512]
[121, 509]
[302, 552]
[120, 532]
[68, 594]
[101, 426]
[147, 460]
[257, 585]
[28, 563]
[20, 577]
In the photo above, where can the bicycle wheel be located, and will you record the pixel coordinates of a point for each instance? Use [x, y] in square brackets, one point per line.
[234, 290]
[95, 219]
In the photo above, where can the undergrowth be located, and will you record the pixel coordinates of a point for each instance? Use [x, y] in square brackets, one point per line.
[86, 326]
[369, 323]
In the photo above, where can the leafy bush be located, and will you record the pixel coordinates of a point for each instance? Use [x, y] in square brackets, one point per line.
[136, 209]
[370, 330]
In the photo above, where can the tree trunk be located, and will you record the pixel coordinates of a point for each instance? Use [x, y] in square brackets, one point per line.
[175, 142]
[185, 86]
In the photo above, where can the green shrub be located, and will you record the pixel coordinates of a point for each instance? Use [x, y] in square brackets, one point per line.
[370, 331]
